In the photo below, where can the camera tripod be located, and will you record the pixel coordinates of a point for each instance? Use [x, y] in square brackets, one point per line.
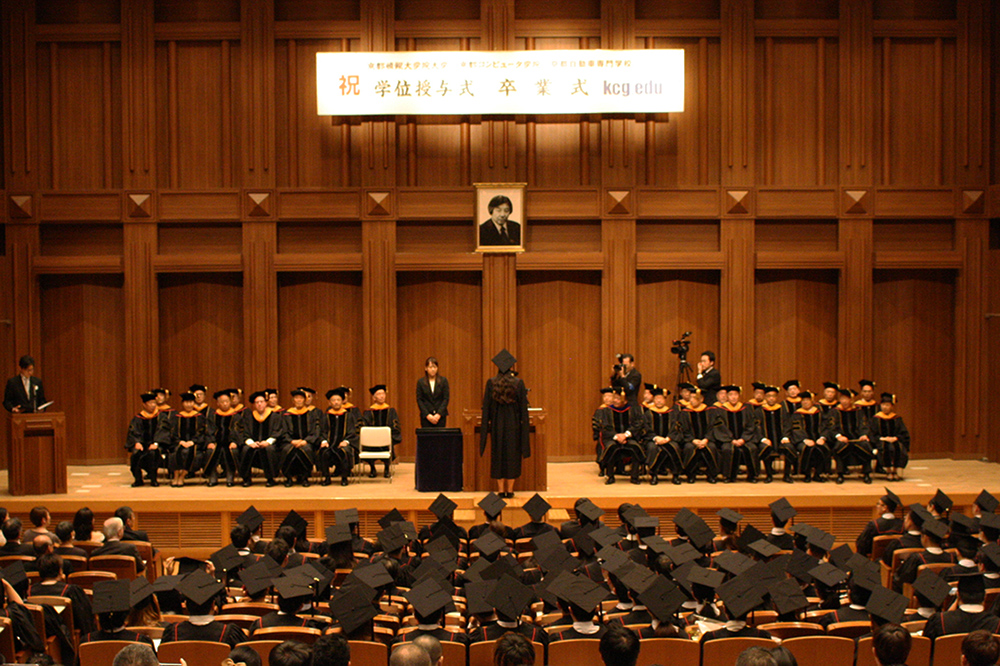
[684, 374]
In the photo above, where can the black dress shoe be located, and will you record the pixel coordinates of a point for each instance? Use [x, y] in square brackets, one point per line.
[634, 480]
[819, 478]
[305, 482]
[654, 480]
[769, 478]
[691, 479]
[788, 478]
[711, 479]
[752, 479]
[138, 483]
[230, 483]
[247, 483]
[288, 483]
[807, 479]
[344, 481]
[676, 480]
[325, 482]
[868, 478]
[212, 483]
[386, 473]
[154, 483]
[610, 480]
[727, 480]
[270, 483]
[372, 474]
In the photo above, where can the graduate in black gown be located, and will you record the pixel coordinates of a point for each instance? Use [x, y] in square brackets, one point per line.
[380, 414]
[182, 434]
[662, 438]
[221, 446]
[505, 421]
[808, 435]
[847, 431]
[773, 427]
[892, 439]
[201, 591]
[144, 453]
[301, 441]
[596, 424]
[867, 400]
[262, 431]
[701, 427]
[739, 437]
[623, 431]
[829, 398]
[338, 445]
[111, 604]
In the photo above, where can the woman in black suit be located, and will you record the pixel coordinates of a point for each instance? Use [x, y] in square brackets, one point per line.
[432, 396]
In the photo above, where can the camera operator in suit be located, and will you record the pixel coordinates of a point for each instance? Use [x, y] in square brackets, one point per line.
[709, 380]
[625, 375]
[24, 392]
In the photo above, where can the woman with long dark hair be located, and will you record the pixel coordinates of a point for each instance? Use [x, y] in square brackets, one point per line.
[505, 419]
[432, 396]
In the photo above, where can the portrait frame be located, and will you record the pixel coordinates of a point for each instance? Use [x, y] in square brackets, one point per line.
[483, 225]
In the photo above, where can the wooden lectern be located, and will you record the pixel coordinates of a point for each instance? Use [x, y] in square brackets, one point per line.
[534, 470]
[36, 462]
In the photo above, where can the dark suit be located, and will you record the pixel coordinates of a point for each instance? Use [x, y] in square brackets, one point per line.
[709, 382]
[433, 402]
[488, 234]
[14, 395]
[119, 548]
[17, 548]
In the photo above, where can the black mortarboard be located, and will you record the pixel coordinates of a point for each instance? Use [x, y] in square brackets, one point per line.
[989, 521]
[831, 385]
[256, 578]
[963, 525]
[378, 387]
[886, 605]
[604, 536]
[139, 590]
[827, 574]
[226, 559]
[146, 397]
[589, 510]
[111, 596]
[821, 540]
[936, 528]
[509, 596]
[251, 519]
[292, 587]
[657, 544]
[430, 567]
[789, 383]
[352, 608]
[489, 543]
[662, 598]
[806, 395]
[740, 595]
[187, 396]
[271, 391]
[658, 390]
[941, 501]
[545, 540]
[733, 562]
[219, 394]
[441, 548]
[295, 392]
[637, 578]
[991, 552]
[840, 555]
[296, 522]
[578, 590]
[392, 538]
[686, 385]
[971, 584]
[556, 558]
[199, 587]
[427, 597]
[505, 564]
[476, 594]
[504, 361]
[764, 548]
[257, 394]
[706, 577]
[186, 565]
[867, 578]
[729, 516]
[339, 533]
[606, 389]
[611, 558]
[918, 514]
[388, 519]
[770, 389]
[749, 535]
[932, 587]
[492, 505]
[346, 516]
[537, 507]
[891, 499]
[866, 382]
[987, 502]
[373, 575]
[696, 529]
[442, 507]
[800, 564]
[888, 397]
[337, 391]
[649, 524]
[783, 510]
[787, 596]
[315, 576]
[165, 584]
[680, 575]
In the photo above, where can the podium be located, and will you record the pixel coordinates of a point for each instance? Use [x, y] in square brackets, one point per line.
[534, 470]
[36, 461]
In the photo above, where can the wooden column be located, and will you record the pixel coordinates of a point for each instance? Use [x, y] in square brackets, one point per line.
[857, 99]
[257, 86]
[974, 70]
[499, 156]
[142, 325]
[618, 288]
[855, 355]
[138, 95]
[499, 308]
[738, 98]
[737, 326]
[260, 306]
[22, 248]
[972, 238]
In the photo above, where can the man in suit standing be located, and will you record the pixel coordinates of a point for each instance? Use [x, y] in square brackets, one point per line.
[24, 392]
[709, 380]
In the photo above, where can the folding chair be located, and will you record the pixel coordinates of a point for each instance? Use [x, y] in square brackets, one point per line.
[375, 443]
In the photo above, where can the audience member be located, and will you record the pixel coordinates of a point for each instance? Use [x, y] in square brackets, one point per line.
[39, 518]
[619, 646]
[244, 655]
[513, 650]
[290, 653]
[329, 650]
[756, 656]
[980, 648]
[891, 645]
[408, 654]
[432, 647]
[114, 530]
[138, 654]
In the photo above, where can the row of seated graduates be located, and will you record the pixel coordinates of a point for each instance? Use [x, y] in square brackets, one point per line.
[559, 589]
[38, 561]
[695, 435]
[197, 437]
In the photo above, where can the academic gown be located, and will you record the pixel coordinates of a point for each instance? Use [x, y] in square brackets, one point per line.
[256, 427]
[774, 424]
[960, 622]
[276, 619]
[745, 632]
[492, 631]
[121, 635]
[336, 427]
[809, 424]
[843, 614]
[508, 427]
[182, 427]
[83, 616]
[907, 572]
[701, 423]
[617, 421]
[220, 429]
[739, 423]
[569, 634]
[906, 540]
[300, 424]
[142, 430]
[852, 424]
[874, 528]
[868, 407]
[662, 457]
[440, 633]
[890, 454]
[215, 632]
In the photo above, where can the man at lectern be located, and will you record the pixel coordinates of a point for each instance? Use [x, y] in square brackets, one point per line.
[24, 392]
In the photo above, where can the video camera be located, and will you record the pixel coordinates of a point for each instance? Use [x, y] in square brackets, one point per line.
[682, 346]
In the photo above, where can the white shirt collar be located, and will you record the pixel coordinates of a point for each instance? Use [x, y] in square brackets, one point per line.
[925, 613]
[778, 531]
[855, 607]
[735, 625]
[971, 608]
[586, 627]
[889, 515]
[506, 625]
[201, 620]
[428, 627]
[934, 550]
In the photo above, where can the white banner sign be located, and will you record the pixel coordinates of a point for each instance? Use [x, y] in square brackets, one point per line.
[499, 82]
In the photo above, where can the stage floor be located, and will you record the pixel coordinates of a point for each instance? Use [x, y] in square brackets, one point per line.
[207, 514]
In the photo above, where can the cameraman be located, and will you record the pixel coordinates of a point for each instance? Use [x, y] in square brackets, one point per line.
[709, 380]
[625, 375]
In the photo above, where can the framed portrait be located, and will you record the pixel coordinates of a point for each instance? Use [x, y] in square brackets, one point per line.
[499, 217]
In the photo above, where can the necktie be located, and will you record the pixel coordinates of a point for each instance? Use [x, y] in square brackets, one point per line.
[503, 234]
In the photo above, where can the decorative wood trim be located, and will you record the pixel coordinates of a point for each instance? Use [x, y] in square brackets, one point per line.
[198, 263]
[57, 265]
[260, 304]
[553, 261]
[796, 28]
[78, 32]
[560, 28]
[915, 29]
[914, 202]
[855, 312]
[803, 260]
[797, 202]
[562, 204]
[666, 261]
[419, 261]
[199, 205]
[434, 29]
[317, 29]
[737, 324]
[662, 203]
[307, 204]
[618, 286]
[971, 333]
[710, 28]
[918, 259]
[499, 307]
[197, 31]
[80, 206]
[346, 261]
[141, 307]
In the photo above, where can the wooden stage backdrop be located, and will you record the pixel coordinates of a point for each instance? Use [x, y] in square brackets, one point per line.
[175, 211]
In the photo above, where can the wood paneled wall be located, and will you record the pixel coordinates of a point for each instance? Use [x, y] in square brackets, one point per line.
[173, 206]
